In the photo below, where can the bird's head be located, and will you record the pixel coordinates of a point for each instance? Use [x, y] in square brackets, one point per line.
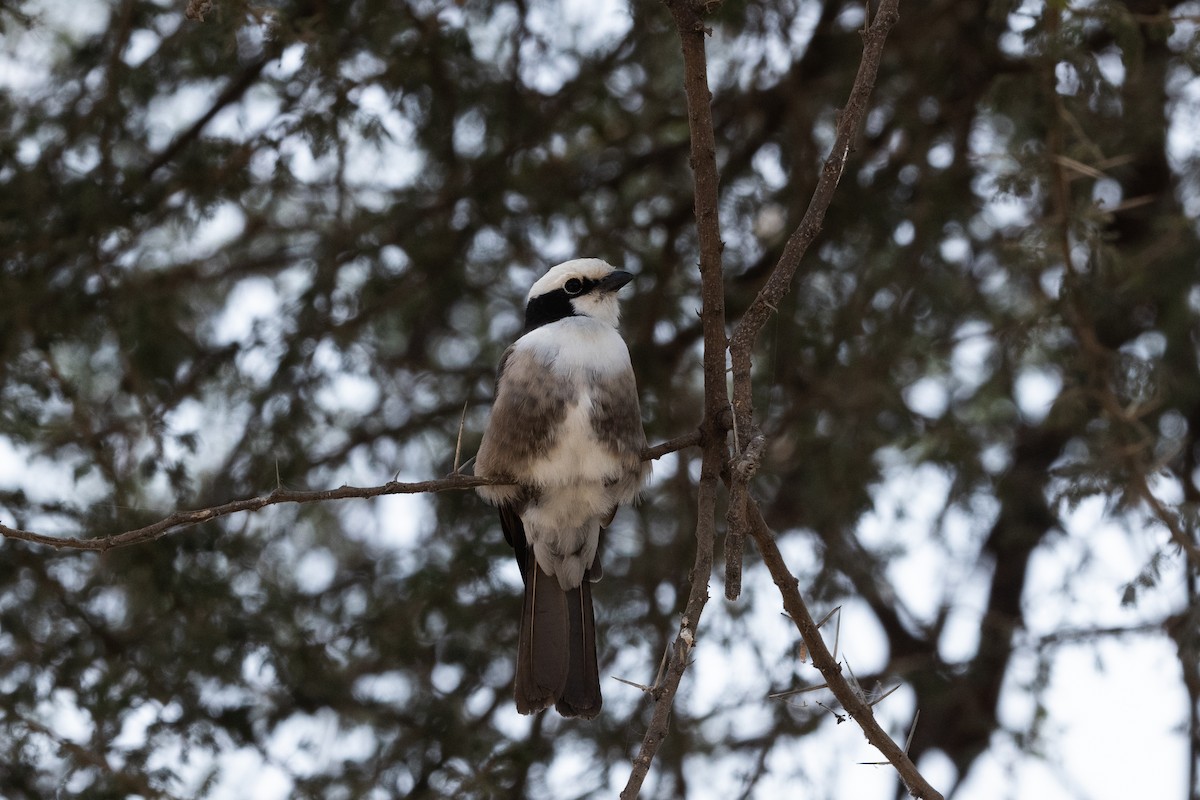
[583, 287]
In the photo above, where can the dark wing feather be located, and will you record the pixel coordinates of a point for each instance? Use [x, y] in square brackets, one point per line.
[521, 427]
[616, 415]
[514, 534]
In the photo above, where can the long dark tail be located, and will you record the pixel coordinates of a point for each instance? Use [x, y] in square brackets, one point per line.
[556, 652]
[581, 695]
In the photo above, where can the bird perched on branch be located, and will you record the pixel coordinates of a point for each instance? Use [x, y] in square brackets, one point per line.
[566, 431]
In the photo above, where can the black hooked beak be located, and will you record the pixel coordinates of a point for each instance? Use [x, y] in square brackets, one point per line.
[614, 280]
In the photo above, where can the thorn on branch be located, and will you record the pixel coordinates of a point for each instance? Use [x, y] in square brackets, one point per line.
[912, 731]
[784, 695]
[462, 423]
[645, 689]
[879, 699]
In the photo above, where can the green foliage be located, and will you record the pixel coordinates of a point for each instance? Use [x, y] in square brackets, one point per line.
[286, 245]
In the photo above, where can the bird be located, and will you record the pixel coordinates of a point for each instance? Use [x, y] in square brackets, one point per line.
[565, 434]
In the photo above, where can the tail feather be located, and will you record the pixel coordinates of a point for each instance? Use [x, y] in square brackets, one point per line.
[543, 646]
[581, 695]
[556, 651]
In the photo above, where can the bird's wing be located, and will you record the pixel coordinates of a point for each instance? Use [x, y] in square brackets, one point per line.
[617, 417]
[528, 403]
[514, 534]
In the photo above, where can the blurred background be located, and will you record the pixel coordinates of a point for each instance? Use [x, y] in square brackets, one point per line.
[286, 245]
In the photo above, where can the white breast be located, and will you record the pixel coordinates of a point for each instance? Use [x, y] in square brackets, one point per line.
[579, 350]
[579, 343]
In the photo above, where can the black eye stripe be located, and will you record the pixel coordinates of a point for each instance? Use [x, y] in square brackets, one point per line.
[557, 304]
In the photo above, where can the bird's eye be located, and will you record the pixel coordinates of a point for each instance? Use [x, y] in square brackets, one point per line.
[573, 286]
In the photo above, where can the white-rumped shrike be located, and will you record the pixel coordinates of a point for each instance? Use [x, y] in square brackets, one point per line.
[566, 431]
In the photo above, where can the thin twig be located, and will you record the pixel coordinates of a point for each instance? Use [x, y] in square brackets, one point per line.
[691, 29]
[741, 344]
[748, 328]
[852, 701]
[232, 92]
[185, 519]
[671, 446]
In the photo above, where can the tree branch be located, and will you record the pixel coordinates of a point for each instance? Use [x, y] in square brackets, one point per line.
[232, 92]
[671, 446]
[854, 704]
[186, 519]
[777, 285]
[748, 441]
[689, 23]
